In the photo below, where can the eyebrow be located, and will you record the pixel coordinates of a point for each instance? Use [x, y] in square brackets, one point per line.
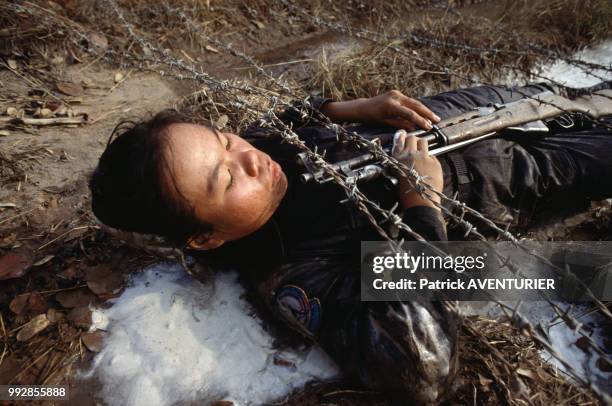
[212, 180]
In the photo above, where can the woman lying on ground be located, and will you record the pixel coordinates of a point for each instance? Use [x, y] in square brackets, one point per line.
[238, 201]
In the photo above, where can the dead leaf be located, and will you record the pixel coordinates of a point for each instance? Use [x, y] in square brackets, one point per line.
[583, 344]
[69, 89]
[28, 303]
[12, 64]
[279, 360]
[485, 383]
[603, 365]
[80, 316]
[211, 49]
[103, 281]
[526, 372]
[108, 286]
[33, 327]
[54, 316]
[221, 122]
[14, 266]
[70, 272]
[12, 111]
[518, 387]
[74, 298]
[44, 260]
[9, 368]
[93, 340]
[259, 24]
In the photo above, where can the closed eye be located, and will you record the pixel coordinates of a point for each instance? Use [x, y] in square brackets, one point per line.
[231, 181]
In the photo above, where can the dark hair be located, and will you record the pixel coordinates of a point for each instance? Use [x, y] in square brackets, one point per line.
[127, 186]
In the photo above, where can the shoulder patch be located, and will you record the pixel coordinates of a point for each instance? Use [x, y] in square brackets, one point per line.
[303, 313]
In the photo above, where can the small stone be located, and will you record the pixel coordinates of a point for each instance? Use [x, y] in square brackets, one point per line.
[12, 111]
[46, 112]
[118, 77]
[12, 64]
[33, 327]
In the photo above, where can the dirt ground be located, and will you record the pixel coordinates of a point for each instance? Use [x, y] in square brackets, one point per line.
[54, 260]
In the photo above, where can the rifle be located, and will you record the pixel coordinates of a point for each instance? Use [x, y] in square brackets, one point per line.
[522, 116]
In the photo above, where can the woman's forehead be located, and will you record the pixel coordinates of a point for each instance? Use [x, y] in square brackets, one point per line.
[192, 153]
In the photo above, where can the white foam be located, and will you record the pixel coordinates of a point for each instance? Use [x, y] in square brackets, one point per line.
[575, 76]
[174, 340]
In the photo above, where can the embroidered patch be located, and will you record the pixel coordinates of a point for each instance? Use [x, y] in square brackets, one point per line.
[296, 307]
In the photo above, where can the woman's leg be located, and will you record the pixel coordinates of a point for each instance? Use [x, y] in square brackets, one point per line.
[456, 102]
[514, 180]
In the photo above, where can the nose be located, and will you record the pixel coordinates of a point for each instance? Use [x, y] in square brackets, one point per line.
[251, 162]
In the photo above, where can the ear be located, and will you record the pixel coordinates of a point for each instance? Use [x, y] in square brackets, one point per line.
[205, 241]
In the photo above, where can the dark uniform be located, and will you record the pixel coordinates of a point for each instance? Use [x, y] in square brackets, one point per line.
[304, 263]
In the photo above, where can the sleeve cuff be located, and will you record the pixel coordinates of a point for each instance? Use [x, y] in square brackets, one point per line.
[426, 221]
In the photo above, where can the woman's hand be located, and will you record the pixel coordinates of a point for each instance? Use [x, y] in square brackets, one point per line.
[414, 152]
[392, 108]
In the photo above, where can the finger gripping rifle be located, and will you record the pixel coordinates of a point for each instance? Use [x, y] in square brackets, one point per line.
[522, 116]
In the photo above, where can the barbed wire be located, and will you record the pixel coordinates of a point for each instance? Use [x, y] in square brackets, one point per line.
[178, 64]
[354, 195]
[363, 34]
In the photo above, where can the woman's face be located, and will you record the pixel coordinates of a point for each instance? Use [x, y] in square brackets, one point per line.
[230, 184]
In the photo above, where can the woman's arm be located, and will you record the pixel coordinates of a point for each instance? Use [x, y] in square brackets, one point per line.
[392, 108]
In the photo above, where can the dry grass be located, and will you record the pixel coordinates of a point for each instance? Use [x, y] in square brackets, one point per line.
[444, 41]
[42, 30]
[499, 365]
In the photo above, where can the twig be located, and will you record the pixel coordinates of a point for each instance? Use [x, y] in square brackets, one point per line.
[5, 336]
[31, 364]
[63, 234]
[16, 215]
[44, 121]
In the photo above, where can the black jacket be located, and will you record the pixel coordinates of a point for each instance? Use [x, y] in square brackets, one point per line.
[304, 263]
